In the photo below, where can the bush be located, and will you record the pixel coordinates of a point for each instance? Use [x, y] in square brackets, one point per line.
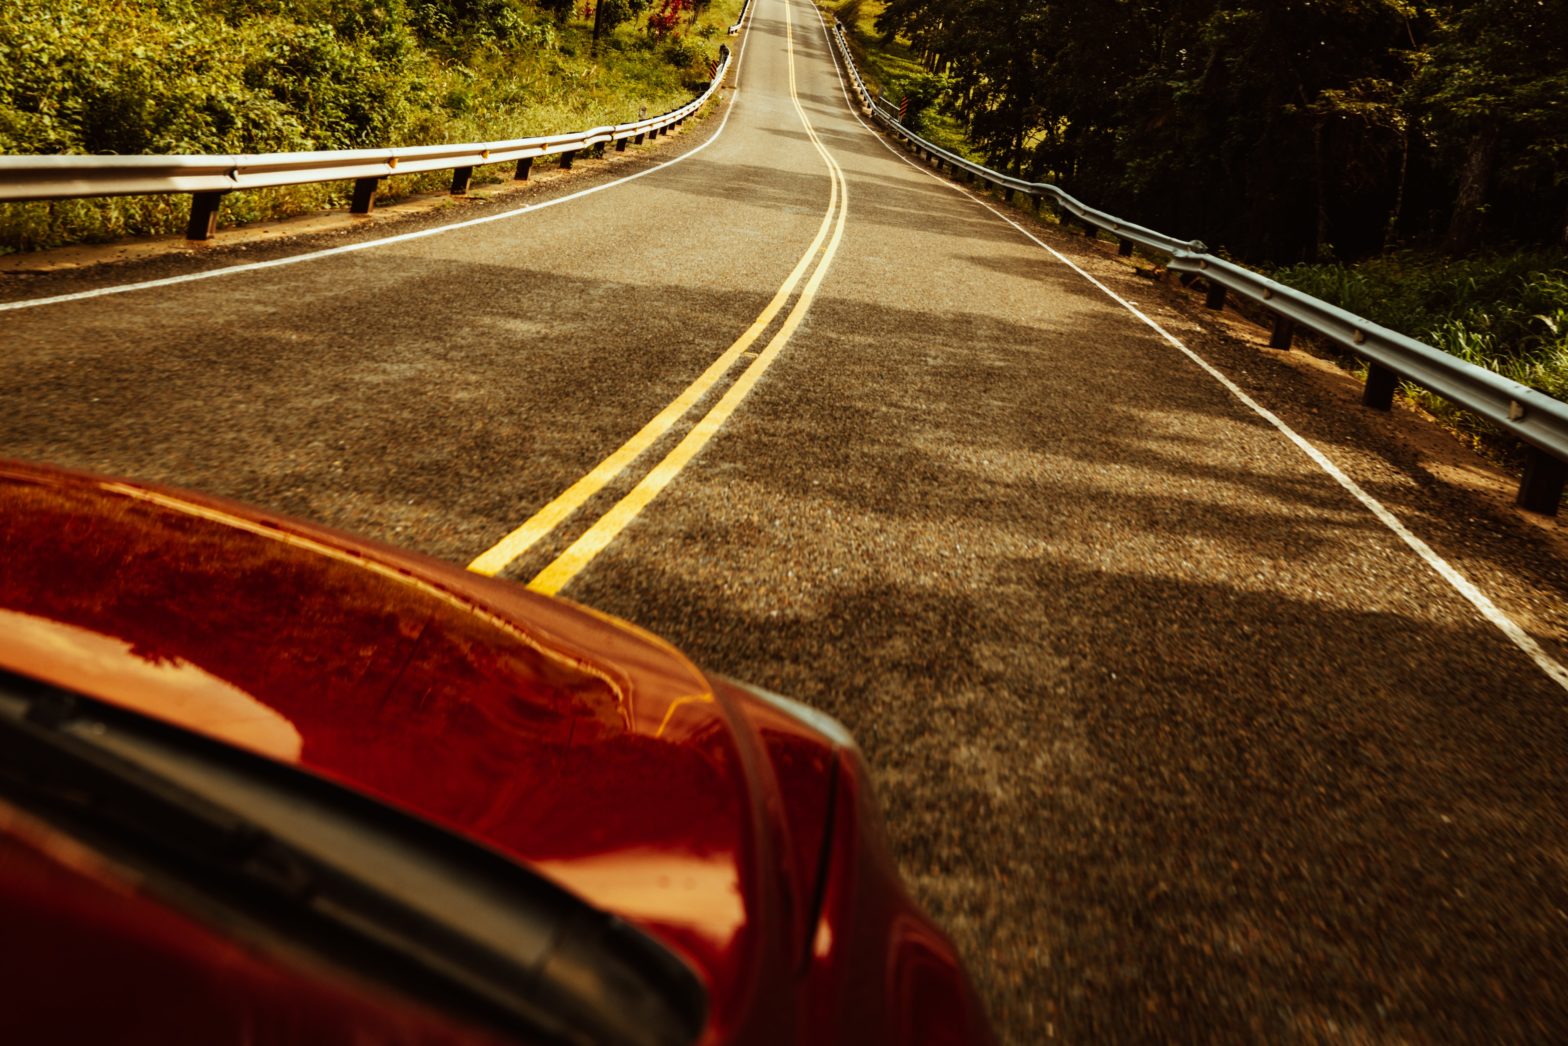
[682, 53]
[924, 91]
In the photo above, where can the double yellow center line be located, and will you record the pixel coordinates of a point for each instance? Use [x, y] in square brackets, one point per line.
[593, 541]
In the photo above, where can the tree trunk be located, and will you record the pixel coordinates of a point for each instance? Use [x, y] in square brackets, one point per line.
[1320, 244]
[1398, 207]
[1469, 217]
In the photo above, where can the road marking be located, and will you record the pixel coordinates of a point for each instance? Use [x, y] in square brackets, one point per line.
[232, 270]
[541, 523]
[570, 563]
[1445, 570]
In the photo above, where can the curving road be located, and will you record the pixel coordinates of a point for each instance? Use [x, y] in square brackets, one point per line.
[1200, 709]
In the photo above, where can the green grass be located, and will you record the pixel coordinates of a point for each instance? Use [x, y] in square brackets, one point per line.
[192, 76]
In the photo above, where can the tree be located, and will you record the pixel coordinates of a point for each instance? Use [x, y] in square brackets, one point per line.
[1493, 104]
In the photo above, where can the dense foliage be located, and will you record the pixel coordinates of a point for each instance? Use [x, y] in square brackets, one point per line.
[243, 76]
[1281, 130]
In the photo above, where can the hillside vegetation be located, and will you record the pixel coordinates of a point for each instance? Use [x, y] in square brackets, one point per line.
[244, 76]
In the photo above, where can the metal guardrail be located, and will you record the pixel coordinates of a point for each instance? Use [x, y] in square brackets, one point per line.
[1534, 418]
[740, 21]
[209, 178]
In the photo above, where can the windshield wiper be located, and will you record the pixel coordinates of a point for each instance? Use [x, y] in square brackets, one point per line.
[382, 892]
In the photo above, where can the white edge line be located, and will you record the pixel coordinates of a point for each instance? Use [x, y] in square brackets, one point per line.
[1461, 584]
[232, 270]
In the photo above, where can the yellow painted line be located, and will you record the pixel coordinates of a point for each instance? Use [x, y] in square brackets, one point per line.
[496, 558]
[570, 563]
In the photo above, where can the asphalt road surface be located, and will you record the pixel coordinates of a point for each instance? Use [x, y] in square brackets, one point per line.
[1182, 732]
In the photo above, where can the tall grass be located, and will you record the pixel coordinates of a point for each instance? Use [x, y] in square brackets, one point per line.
[242, 76]
[1506, 311]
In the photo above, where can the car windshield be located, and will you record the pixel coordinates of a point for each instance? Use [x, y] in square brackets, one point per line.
[368, 886]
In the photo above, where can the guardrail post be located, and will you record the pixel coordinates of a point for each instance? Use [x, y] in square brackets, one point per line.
[1007, 195]
[639, 139]
[1379, 393]
[597, 152]
[620, 145]
[364, 195]
[1541, 489]
[1216, 295]
[524, 166]
[1284, 331]
[204, 215]
[1124, 248]
[566, 159]
[460, 179]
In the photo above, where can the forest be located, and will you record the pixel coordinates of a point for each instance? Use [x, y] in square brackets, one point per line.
[1279, 130]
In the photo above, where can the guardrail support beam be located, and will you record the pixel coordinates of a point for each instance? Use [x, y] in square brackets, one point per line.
[566, 159]
[639, 139]
[620, 145]
[1284, 331]
[204, 215]
[1541, 489]
[364, 195]
[1379, 393]
[1216, 295]
[1124, 248]
[460, 180]
[524, 167]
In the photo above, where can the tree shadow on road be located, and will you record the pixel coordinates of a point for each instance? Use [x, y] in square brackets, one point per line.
[1174, 736]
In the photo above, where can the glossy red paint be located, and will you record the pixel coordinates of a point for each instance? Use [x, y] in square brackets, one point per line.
[740, 835]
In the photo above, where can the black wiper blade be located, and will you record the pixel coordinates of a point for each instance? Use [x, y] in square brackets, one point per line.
[385, 893]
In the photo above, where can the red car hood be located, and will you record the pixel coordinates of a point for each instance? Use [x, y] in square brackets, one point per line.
[587, 748]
